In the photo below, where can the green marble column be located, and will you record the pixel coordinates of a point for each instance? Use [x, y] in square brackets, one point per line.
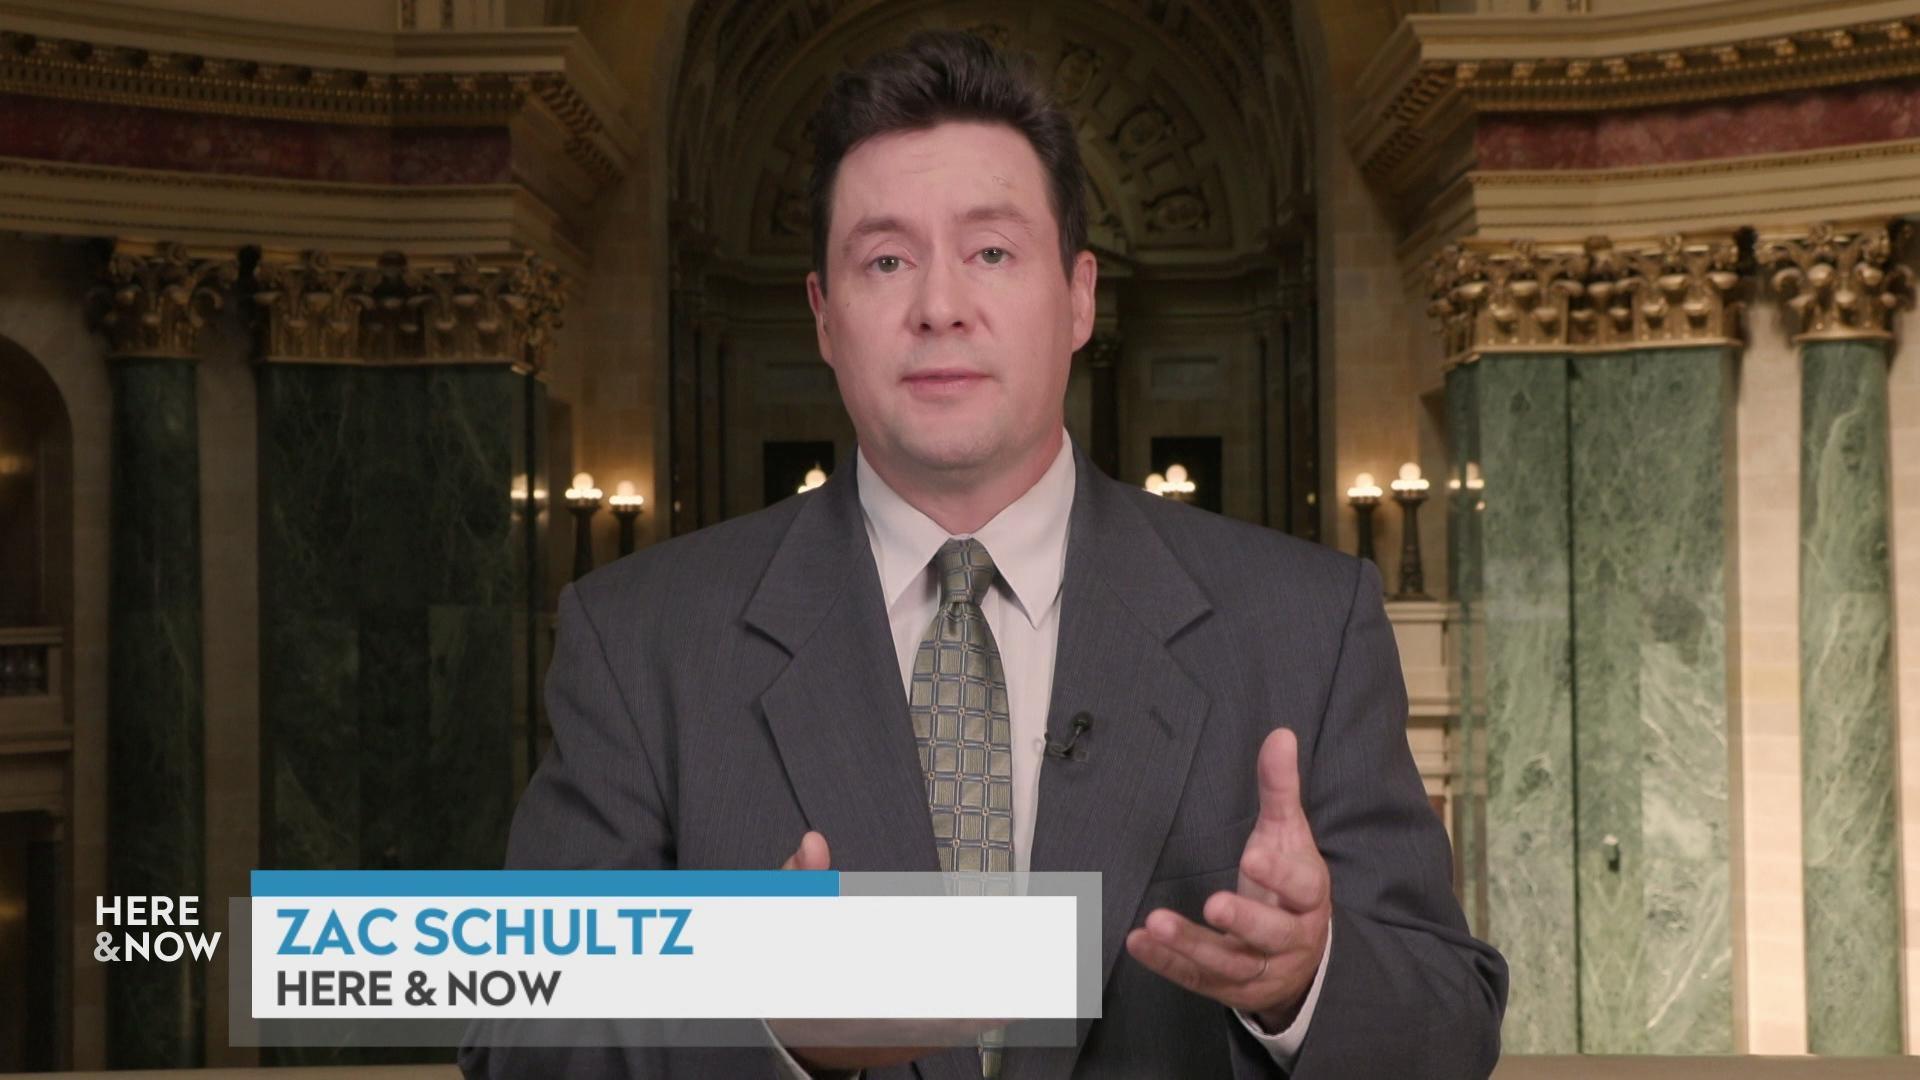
[1512, 409]
[395, 581]
[395, 571]
[1649, 434]
[155, 718]
[1846, 695]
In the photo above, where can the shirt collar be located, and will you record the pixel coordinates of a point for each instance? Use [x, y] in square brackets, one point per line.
[1027, 539]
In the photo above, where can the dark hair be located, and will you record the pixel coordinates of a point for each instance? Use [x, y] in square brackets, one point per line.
[941, 75]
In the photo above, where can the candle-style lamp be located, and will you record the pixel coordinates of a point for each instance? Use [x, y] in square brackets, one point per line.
[1410, 490]
[626, 507]
[1175, 484]
[1364, 496]
[584, 500]
[814, 478]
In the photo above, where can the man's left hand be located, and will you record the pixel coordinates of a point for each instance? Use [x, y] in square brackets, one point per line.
[1263, 942]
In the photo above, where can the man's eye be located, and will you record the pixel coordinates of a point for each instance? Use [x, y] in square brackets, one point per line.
[887, 264]
[994, 256]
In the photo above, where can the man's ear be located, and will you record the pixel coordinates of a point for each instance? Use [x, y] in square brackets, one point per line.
[817, 300]
[1080, 291]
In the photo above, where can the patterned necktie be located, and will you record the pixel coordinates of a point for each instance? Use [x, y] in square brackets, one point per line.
[964, 731]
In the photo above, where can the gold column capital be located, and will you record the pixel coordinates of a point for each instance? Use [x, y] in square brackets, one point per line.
[474, 312]
[1673, 290]
[1505, 297]
[1594, 295]
[1838, 281]
[311, 309]
[393, 309]
[154, 299]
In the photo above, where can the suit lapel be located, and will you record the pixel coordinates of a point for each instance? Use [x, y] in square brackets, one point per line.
[838, 712]
[1125, 598]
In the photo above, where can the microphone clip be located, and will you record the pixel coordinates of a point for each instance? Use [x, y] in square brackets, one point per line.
[1071, 750]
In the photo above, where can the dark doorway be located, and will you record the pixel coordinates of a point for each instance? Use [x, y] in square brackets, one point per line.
[1200, 457]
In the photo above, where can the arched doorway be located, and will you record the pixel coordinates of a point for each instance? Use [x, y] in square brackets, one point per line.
[36, 729]
[1196, 135]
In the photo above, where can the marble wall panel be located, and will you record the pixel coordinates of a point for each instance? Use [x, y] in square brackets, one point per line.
[1650, 578]
[395, 585]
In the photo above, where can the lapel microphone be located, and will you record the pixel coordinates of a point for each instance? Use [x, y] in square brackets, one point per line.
[1082, 723]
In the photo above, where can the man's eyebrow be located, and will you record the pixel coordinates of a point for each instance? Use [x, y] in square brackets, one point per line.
[873, 226]
[883, 224]
[997, 212]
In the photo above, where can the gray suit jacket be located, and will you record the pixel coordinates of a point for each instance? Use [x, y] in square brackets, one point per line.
[715, 696]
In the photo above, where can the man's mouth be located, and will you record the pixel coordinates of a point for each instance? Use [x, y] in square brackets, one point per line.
[934, 376]
[943, 382]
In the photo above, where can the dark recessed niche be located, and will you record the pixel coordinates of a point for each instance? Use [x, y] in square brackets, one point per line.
[785, 464]
[1201, 455]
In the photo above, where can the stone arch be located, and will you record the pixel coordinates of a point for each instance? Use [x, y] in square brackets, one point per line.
[36, 696]
[1199, 154]
[1182, 164]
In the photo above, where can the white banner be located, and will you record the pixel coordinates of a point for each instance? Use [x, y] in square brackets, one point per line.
[657, 956]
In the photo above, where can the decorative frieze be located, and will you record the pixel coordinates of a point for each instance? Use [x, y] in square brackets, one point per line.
[1838, 282]
[156, 298]
[395, 311]
[1436, 74]
[1595, 295]
[383, 93]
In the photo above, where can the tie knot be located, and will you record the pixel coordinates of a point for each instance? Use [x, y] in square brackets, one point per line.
[966, 571]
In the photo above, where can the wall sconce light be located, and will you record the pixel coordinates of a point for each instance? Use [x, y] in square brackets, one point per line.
[1364, 496]
[1410, 490]
[584, 500]
[1176, 484]
[626, 507]
[531, 503]
[815, 477]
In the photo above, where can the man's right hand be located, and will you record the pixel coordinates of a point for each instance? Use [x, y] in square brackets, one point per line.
[800, 1037]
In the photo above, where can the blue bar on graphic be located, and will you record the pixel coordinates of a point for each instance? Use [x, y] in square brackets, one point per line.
[665, 883]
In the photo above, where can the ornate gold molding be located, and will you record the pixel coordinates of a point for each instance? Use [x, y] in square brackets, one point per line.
[156, 298]
[1838, 282]
[1438, 71]
[504, 75]
[1598, 295]
[395, 311]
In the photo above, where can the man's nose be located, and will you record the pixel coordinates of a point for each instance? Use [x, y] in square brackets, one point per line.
[941, 303]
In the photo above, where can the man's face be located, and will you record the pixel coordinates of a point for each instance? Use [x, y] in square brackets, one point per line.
[948, 319]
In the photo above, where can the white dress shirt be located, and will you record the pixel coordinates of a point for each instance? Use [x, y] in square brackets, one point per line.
[1028, 544]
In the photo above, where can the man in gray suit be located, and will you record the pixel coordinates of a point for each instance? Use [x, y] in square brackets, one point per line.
[971, 650]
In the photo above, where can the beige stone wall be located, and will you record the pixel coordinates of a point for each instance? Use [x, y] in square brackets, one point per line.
[1372, 374]
[1770, 949]
[611, 365]
[610, 368]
